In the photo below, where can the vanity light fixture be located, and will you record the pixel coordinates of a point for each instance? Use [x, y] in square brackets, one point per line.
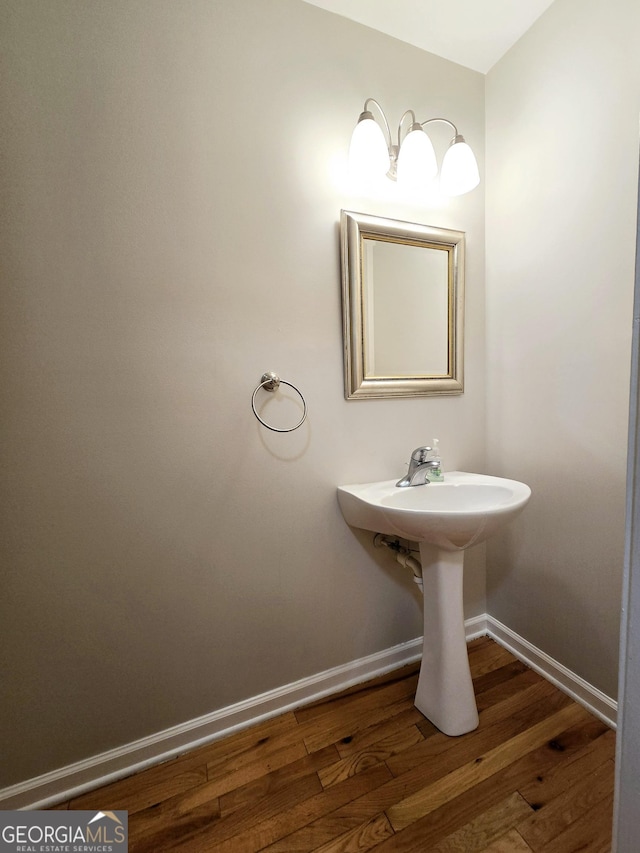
[412, 162]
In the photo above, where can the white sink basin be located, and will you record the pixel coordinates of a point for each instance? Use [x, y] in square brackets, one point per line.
[462, 511]
[445, 518]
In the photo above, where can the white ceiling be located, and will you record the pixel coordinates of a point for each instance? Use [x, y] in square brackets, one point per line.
[474, 33]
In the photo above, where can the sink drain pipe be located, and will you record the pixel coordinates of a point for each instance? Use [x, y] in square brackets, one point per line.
[403, 556]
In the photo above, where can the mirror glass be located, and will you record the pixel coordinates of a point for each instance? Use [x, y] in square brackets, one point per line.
[403, 288]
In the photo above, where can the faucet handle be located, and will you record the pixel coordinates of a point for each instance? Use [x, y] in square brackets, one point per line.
[420, 454]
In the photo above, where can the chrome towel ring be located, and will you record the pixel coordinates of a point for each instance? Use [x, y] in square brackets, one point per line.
[269, 382]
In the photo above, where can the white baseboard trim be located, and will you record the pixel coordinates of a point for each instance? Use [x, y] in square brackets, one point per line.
[75, 779]
[598, 703]
[475, 627]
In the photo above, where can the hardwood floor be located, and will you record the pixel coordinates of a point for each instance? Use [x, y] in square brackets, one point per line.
[364, 770]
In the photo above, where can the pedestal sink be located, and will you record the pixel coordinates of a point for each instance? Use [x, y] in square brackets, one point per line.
[445, 519]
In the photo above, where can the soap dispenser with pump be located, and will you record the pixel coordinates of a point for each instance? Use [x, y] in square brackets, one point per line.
[435, 475]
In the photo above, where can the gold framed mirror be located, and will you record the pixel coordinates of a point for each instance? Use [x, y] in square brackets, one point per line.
[402, 307]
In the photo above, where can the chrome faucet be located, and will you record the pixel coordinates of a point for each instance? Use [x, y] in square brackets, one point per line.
[419, 467]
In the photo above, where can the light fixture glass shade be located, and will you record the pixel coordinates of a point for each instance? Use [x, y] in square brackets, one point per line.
[459, 173]
[417, 163]
[368, 152]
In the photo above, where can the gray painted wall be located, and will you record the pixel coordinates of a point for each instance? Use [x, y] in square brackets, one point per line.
[172, 182]
[562, 165]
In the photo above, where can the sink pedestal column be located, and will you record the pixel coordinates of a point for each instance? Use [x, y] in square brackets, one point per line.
[445, 690]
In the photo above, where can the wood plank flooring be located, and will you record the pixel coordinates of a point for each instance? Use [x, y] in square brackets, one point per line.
[364, 770]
